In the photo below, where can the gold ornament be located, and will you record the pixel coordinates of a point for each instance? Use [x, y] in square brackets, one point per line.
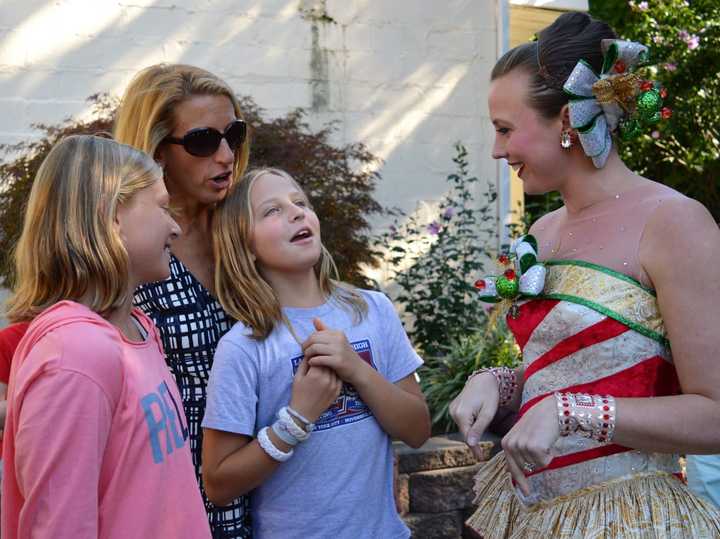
[621, 89]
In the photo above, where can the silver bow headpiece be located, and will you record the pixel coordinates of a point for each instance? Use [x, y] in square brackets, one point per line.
[598, 103]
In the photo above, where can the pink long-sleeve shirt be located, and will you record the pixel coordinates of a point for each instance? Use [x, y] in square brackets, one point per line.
[96, 441]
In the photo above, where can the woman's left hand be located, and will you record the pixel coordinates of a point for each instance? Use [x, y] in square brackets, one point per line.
[529, 444]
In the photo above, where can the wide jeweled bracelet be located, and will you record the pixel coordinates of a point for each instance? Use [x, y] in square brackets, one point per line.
[506, 379]
[590, 416]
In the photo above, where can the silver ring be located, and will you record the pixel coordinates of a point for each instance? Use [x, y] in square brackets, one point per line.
[528, 467]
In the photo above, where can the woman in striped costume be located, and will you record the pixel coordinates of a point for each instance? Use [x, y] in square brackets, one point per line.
[598, 291]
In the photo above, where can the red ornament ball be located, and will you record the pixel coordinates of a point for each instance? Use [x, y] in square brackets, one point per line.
[480, 284]
[510, 274]
[666, 113]
[619, 66]
[646, 85]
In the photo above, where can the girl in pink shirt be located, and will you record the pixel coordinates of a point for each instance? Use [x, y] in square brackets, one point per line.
[95, 438]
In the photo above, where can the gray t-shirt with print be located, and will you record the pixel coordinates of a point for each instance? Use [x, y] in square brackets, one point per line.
[339, 482]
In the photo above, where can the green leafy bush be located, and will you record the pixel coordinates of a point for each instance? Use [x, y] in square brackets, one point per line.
[337, 179]
[435, 264]
[442, 377]
[684, 41]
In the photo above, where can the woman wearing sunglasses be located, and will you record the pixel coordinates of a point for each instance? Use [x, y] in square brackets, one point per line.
[190, 121]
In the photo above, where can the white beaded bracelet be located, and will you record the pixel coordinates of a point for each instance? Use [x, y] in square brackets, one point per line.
[292, 427]
[308, 425]
[269, 447]
[281, 432]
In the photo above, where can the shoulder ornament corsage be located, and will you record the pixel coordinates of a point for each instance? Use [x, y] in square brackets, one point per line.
[616, 100]
[523, 277]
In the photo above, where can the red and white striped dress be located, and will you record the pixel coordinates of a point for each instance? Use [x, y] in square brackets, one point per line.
[593, 330]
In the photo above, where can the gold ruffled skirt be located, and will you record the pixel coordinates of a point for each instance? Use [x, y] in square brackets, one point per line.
[653, 505]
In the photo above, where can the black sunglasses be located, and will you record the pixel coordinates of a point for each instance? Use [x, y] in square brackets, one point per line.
[205, 141]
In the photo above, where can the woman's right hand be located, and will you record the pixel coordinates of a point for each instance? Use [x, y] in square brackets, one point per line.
[314, 390]
[475, 407]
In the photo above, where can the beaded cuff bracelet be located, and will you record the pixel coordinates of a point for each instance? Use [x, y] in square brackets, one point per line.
[590, 416]
[507, 382]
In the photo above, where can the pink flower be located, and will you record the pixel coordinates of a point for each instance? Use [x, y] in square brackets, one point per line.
[691, 40]
[670, 66]
[433, 228]
[658, 39]
[643, 6]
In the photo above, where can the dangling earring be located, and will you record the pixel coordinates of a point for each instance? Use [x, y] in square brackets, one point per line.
[565, 139]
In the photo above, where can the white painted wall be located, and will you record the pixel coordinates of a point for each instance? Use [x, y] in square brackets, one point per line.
[406, 77]
[568, 5]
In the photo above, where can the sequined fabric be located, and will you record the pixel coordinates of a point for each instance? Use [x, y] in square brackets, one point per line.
[605, 291]
[595, 331]
[644, 505]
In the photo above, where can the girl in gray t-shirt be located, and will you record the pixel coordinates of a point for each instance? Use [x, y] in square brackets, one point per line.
[310, 384]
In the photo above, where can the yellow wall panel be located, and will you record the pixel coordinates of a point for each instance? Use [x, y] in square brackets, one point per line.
[524, 23]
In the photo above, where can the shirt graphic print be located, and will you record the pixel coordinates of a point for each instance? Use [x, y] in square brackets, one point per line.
[349, 407]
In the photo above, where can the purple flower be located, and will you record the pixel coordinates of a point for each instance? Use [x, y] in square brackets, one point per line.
[691, 40]
[448, 213]
[433, 228]
[393, 229]
[670, 66]
[643, 6]
[655, 134]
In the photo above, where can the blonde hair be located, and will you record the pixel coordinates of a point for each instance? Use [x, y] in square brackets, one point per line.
[69, 247]
[243, 292]
[146, 114]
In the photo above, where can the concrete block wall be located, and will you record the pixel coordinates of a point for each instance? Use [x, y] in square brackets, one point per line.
[408, 77]
[434, 486]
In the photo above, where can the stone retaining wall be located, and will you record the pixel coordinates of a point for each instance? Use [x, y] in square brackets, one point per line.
[433, 486]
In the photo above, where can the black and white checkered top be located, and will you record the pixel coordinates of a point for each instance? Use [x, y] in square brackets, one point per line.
[191, 322]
